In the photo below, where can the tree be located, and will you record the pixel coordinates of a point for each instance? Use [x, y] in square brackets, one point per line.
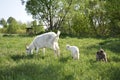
[12, 25]
[21, 28]
[3, 23]
[37, 28]
[77, 20]
[34, 26]
[51, 12]
[113, 14]
[97, 15]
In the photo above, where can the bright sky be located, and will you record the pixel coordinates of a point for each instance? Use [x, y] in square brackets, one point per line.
[15, 9]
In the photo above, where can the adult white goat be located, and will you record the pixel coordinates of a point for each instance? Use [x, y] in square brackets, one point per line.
[74, 51]
[46, 40]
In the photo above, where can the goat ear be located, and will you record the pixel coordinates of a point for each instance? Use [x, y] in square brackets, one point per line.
[27, 48]
[67, 46]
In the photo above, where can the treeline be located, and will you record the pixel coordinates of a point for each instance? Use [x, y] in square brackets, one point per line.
[11, 26]
[78, 17]
[75, 17]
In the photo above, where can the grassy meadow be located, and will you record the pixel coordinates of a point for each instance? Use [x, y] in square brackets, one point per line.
[16, 65]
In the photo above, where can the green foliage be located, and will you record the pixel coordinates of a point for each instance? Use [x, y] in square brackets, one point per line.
[40, 29]
[22, 28]
[95, 17]
[37, 28]
[112, 7]
[3, 23]
[82, 28]
[42, 10]
[9, 26]
[12, 25]
[15, 27]
[34, 26]
[15, 64]
[51, 12]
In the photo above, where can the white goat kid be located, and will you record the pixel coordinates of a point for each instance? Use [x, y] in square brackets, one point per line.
[46, 40]
[74, 51]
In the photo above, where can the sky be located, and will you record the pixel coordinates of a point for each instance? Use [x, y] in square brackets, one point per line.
[14, 8]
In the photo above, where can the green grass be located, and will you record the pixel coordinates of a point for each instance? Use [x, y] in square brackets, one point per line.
[16, 65]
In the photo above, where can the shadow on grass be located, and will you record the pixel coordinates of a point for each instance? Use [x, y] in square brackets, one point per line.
[18, 57]
[113, 73]
[115, 59]
[92, 61]
[64, 59]
[111, 44]
[106, 71]
[69, 77]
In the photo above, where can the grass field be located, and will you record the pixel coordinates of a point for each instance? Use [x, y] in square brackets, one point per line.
[16, 65]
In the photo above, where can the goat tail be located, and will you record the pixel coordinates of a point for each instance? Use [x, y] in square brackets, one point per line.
[57, 36]
[58, 33]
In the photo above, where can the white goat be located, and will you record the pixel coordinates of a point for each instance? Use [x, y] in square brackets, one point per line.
[46, 40]
[74, 51]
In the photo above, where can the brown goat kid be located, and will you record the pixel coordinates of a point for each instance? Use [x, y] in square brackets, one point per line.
[101, 55]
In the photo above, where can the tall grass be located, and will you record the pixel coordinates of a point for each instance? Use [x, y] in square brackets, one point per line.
[16, 65]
